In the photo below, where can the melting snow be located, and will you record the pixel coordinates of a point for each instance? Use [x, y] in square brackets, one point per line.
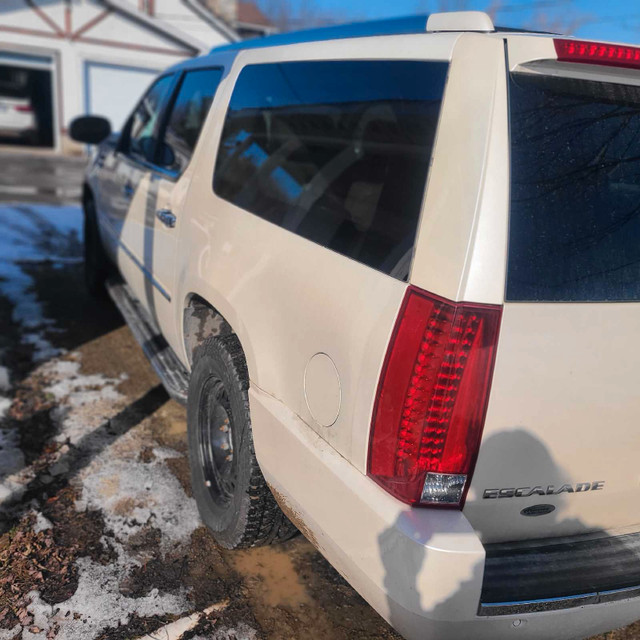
[34, 234]
[131, 494]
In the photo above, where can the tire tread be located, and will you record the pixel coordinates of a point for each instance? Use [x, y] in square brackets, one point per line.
[266, 523]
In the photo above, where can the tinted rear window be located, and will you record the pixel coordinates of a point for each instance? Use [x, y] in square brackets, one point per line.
[575, 190]
[337, 152]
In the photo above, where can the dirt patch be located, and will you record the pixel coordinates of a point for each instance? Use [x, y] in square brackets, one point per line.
[181, 470]
[81, 531]
[40, 554]
[169, 426]
[136, 627]
[632, 632]
[273, 570]
[31, 418]
[147, 455]
[32, 560]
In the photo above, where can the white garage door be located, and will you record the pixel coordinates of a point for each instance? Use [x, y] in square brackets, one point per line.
[112, 90]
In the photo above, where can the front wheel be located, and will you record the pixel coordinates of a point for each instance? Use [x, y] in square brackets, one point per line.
[96, 262]
[232, 495]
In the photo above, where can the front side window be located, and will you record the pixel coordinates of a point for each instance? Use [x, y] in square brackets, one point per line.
[142, 123]
[575, 190]
[335, 151]
[188, 114]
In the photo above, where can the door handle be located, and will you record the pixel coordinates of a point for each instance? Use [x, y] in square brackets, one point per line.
[166, 217]
[127, 190]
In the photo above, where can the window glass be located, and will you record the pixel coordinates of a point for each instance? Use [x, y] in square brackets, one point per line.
[337, 152]
[575, 212]
[142, 124]
[188, 114]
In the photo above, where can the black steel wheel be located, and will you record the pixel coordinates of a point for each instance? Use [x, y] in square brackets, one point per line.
[215, 435]
[231, 493]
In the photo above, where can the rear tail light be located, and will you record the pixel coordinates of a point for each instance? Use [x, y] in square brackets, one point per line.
[24, 108]
[432, 399]
[597, 53]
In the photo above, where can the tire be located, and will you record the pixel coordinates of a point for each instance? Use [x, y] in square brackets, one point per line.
[96, 262]
[231, 493]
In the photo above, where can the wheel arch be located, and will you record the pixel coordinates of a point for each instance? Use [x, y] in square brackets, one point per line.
[201, 320]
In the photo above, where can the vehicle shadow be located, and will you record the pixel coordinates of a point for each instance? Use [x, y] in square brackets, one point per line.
[432, 598]
[79, 455]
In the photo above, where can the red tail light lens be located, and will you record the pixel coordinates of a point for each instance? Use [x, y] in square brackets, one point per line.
[597, 53]
[432, 398]
[23, 108]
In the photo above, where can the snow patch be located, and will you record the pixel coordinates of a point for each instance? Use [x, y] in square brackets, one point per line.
[32, 234]
[5, 379]
[98, 604]
[42, 523]
[154, 497]
[240, 632]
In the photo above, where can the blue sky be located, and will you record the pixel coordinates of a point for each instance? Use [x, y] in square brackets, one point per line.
[598, 19]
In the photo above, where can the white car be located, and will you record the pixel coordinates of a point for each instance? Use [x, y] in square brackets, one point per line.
[17, 115]
[393, 269]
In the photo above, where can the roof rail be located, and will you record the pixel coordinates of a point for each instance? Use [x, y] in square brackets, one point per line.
[460, 21]
[388, 27]
[421, 23]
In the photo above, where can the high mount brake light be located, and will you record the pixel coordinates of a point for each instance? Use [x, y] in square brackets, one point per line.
[432, 399]
[613, 55]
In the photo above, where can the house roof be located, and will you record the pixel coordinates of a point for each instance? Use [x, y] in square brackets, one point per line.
[250, 13]
[165, 28]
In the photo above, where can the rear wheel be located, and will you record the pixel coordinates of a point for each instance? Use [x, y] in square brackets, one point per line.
[96, 262]
[232, 496]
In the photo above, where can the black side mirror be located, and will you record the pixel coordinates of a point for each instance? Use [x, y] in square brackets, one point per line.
[90, 129]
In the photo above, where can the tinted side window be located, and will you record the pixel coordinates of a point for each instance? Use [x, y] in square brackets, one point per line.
[337, 152]
[188, 114]
[574, 232]
[142, 124]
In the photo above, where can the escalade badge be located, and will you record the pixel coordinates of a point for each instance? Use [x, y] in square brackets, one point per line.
[539, 490]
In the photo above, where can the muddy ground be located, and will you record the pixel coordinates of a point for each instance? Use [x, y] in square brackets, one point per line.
[99, 534]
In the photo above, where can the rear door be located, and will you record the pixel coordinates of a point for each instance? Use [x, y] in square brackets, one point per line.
[562, 435]
[169, 183]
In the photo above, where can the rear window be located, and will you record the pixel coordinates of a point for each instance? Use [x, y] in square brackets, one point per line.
[337, 152]
[575, 190]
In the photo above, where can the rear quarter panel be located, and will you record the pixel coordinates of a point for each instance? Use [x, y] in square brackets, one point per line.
[286, 297]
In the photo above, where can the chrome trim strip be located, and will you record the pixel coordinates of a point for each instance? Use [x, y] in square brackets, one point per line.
[109, 227]
[550, 604]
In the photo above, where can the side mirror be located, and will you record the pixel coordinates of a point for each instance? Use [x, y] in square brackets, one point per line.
[90, 129]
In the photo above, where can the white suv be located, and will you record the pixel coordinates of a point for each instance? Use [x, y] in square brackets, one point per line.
[394, 271]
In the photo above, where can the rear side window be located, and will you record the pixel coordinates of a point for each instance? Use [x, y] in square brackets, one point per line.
[188, 113]
[337, 152]
[575, 192]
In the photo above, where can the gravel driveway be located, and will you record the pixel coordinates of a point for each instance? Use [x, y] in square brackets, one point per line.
[100, 537]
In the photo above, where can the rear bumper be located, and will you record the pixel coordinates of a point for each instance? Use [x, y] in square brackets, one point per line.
[421, 569]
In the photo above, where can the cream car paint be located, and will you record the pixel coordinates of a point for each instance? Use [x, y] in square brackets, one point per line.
[422, 569]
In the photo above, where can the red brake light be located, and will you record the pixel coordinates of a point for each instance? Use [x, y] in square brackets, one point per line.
[432, 398]
[597, 53]
[25, 108]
